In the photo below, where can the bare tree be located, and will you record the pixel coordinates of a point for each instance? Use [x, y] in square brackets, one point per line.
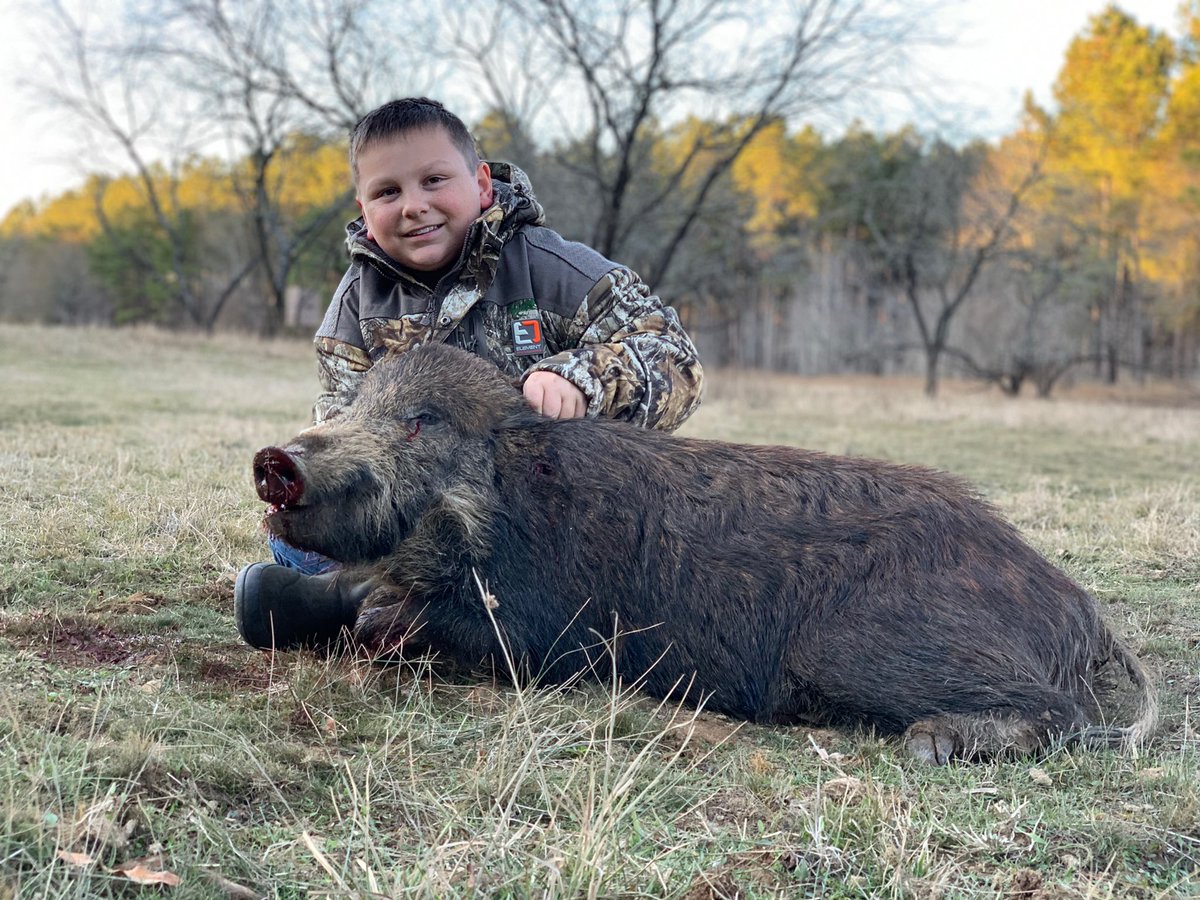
[935, 219]
[1035, 328]
[625, 78]
[338, 59]
[123, 102]
[224, 52]
[166, 82]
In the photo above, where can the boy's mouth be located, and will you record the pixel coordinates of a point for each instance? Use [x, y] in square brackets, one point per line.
[421, 232]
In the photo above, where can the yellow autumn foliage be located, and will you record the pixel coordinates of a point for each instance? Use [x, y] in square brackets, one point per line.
[1123, 165]
[1111, 93]
[305, 173]
[776, 170]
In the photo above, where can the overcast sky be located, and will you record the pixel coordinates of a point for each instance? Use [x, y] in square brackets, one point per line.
[1002, 49]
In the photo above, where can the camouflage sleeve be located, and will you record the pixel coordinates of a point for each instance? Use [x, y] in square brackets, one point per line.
[342, 358]
[633, 360]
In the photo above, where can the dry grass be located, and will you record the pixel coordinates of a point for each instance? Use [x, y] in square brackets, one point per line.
[135, 726]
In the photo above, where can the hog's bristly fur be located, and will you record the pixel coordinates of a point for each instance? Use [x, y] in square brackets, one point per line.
[773, 584]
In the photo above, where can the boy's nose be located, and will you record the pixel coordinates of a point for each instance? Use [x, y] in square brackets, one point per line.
[415, 207]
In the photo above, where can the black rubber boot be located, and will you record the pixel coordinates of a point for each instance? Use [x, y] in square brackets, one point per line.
[278, 608]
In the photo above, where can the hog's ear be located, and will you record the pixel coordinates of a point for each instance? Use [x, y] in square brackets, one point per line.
[509, 400]
[519, 416]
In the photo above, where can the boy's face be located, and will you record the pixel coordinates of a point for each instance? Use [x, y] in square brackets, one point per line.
[419, 197]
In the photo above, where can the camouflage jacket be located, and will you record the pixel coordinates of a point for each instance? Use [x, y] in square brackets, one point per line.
[528, 300]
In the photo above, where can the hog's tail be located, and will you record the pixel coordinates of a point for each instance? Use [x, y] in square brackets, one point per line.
[1129, 737]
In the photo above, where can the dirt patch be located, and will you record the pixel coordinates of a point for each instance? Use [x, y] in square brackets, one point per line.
[216, 594]
[80, 642]
[747, 874]
[707, 731]
[253, 672]
[726, 808]
[717, 885]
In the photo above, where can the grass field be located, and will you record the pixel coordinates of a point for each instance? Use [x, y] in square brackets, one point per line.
[144, 749]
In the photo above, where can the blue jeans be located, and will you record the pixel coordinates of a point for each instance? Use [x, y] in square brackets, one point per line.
[307, 561]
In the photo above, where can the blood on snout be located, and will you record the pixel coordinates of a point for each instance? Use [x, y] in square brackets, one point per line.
[277, 478]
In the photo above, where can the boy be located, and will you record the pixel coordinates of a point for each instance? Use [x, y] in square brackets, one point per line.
[451, 248]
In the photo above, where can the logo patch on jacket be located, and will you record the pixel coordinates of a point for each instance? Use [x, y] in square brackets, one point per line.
[527, 336]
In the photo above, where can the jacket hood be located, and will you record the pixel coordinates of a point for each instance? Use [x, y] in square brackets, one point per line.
[513, 205]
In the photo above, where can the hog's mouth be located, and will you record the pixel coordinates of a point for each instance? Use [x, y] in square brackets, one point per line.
[298, 523]
[277, 509]
[301, 526]
[332, 529]
[277, 517]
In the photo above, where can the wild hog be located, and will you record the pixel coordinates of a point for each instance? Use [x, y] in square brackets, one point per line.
[773, 584]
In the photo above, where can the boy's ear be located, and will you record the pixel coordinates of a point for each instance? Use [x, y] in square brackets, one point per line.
[358, 203]
[483, 177]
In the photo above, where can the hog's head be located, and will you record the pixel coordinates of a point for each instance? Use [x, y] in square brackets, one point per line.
[417, 435]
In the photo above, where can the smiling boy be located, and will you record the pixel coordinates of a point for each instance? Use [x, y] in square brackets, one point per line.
[450, 248]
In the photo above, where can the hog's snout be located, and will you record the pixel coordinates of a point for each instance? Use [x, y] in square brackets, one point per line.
[277, 477]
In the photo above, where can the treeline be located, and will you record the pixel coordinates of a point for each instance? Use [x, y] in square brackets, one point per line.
[1071, 244]
[200, 245]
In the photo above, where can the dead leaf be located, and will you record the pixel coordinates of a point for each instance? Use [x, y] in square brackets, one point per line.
[847, 788]
[489, 599]
[824, 754]
[138, 872]
[82, 860]
[98, 824]
[231, 889]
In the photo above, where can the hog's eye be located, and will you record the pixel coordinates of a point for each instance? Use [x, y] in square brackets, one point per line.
[414, 424]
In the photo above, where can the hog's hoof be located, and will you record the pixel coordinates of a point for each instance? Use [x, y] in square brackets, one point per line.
[929, 743]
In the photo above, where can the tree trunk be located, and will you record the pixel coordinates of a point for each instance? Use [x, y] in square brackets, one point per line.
[932, 357]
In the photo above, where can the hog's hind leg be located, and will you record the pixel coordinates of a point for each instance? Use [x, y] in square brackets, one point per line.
[994, 733]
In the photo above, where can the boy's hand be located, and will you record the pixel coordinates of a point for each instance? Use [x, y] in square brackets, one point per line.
[554, 397]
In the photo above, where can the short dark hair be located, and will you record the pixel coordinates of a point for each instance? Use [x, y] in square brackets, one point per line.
[398, 117]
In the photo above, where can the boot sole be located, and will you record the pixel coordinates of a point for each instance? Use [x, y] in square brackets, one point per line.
[249, 621]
